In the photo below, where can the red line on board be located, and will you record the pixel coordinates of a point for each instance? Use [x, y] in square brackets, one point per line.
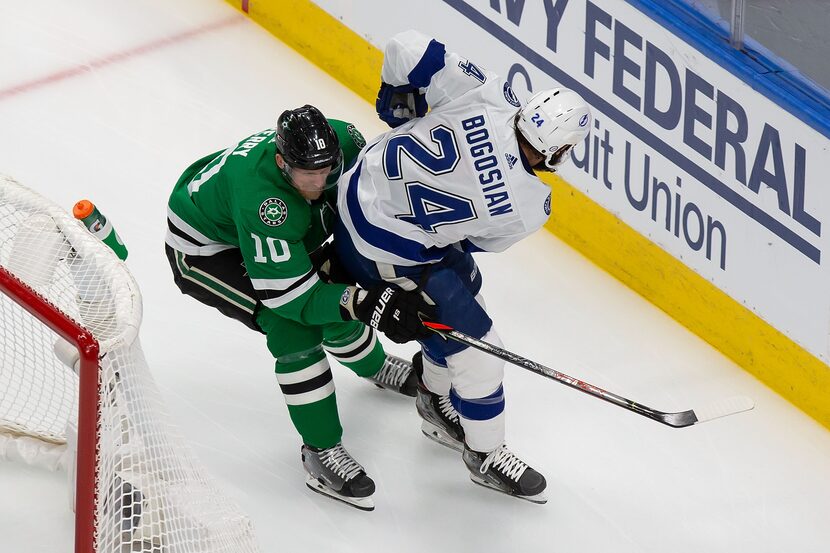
[117, 57]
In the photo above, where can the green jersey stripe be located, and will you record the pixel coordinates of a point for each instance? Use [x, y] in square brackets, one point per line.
[184, 238]
[277, 284]
[349, 342]
[359, 351]
[195, 236]
[270, 293]
[205, 176]
[181, 245]
[292, 294]
[223, 285]
[214, 286]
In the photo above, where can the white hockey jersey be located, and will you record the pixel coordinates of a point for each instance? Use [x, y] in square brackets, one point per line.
[453, 177]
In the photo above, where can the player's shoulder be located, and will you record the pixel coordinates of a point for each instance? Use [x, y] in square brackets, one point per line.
[243, 162]
[251, 148]
[495, 97]
[348, 134]
[497, 94]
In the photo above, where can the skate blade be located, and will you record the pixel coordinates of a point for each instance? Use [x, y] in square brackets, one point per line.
[393, 390]
[540, 498]
[362, 503]
[437, 434]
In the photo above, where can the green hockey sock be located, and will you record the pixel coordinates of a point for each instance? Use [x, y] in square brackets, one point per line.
[312, 405]
[356, 346]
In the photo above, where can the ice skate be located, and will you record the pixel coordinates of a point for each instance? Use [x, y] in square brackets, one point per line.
[334, 473]
[502, 471]
[441, 422]
[397, 375]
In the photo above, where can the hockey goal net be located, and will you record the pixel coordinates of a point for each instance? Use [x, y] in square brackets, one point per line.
[73, 378]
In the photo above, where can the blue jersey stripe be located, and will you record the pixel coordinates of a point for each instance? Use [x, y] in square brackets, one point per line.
[382, 238]
[469, 247]
[430, 63]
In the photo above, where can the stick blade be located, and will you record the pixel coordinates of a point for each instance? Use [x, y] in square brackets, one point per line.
[724, 408]
[716, 410]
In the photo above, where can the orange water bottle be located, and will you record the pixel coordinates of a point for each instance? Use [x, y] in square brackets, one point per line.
[99, 226]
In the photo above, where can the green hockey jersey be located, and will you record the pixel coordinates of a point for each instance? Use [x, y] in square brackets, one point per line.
[238, 198]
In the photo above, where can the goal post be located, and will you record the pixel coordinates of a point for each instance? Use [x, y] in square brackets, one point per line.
[88, 349]
[73, 375]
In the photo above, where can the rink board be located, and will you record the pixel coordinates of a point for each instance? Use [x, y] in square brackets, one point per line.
[782, 362]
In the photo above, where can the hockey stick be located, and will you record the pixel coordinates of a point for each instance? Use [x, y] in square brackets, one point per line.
[723, 408]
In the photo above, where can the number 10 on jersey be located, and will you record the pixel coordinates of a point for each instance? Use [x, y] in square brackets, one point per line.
[274, 244]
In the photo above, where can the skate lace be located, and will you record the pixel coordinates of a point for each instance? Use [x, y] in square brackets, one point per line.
[447, 409]
[340, 462]
[394, 371]
[506, 461]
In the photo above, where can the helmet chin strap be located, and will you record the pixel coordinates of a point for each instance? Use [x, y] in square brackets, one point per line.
[554, 159]
[336, 171]
[542, 164]
[286, 172]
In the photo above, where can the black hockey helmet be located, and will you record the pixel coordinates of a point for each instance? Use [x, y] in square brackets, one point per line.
[306, 140]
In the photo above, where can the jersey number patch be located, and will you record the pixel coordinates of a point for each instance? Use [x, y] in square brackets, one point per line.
[278, 249]
[469, 68]
[429, 207]
[437, 164]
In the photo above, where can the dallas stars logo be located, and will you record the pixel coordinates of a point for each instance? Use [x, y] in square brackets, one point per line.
[358, 139]
[273, 212]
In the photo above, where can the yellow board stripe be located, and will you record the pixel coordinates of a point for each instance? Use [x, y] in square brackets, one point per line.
[322, 40]
[690, 299]
[604, 239]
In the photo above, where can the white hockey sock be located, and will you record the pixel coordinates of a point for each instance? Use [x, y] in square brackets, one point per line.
[436, 377]
[484, 435]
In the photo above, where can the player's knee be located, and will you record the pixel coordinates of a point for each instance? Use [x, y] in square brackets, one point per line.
[435, 375]
[269, 322]
[476, 374]
[289, 362]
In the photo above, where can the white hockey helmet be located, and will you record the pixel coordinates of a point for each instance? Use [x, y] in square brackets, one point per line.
[553, 121]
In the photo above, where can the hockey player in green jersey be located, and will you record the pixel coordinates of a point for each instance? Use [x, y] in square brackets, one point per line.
[247, 228]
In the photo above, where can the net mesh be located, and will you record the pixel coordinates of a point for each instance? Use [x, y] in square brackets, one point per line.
[152, 495]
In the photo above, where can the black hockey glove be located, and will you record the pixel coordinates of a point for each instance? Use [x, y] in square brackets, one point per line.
[398, 104]
[393, 311]
[328, 265]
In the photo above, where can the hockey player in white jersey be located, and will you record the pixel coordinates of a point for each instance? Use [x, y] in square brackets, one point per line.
[424, 196]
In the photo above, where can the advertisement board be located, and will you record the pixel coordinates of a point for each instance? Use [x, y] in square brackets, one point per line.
[683, 151]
